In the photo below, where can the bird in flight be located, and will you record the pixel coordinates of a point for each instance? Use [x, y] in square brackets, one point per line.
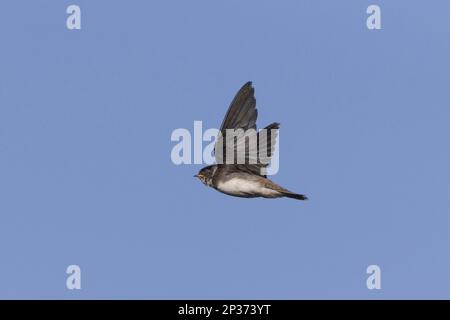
[246, 178]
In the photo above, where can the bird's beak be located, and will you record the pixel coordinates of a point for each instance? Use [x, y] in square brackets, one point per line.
[195, 175]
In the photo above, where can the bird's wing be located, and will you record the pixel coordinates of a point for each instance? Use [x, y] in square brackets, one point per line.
[242, 111]
[241, 117]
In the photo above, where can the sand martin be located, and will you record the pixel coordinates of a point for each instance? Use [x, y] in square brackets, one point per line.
[247, 179]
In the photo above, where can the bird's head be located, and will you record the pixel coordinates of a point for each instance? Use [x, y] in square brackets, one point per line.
[205, 175]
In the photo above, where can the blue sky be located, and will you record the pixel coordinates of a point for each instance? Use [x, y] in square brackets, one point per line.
[86, 176]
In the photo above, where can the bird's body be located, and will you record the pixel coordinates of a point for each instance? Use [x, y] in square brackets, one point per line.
[248, 179]
[246, 185]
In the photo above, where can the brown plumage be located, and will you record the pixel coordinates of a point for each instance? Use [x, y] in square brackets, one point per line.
[247, 180]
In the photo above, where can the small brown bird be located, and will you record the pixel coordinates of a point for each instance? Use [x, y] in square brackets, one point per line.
[247, 180]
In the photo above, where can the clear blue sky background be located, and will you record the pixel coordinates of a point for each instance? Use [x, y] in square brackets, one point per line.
[85, 170]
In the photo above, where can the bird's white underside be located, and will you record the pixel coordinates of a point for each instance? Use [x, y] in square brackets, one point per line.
[242, 187]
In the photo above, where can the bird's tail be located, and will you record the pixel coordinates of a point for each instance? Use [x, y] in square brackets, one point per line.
[284, 192]
[295, 195]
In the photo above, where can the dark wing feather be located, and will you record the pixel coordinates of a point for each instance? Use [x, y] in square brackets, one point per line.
[242, 111]
[242, 114]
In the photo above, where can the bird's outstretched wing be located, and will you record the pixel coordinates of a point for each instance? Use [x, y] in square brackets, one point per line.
[242, 112]
[246, 142]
